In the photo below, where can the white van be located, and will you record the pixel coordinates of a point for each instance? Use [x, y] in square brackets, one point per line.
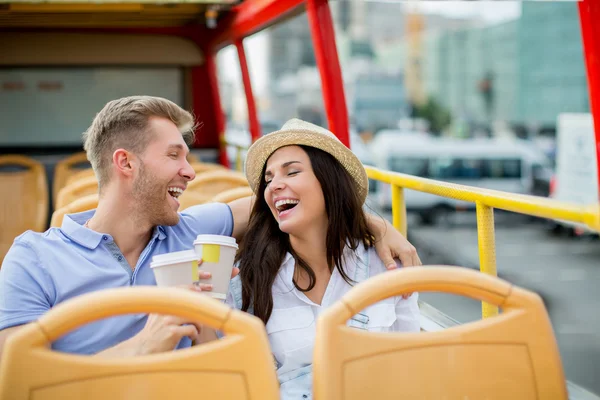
[576, 179]
[501, 164]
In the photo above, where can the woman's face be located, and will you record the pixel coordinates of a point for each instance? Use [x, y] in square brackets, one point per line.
[293, 192]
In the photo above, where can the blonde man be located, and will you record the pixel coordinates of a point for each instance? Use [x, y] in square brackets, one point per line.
[138, 148]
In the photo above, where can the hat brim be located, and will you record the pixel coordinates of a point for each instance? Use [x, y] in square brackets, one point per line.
[263, 148]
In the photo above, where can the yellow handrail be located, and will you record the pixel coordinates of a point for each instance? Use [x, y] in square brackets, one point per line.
[239, 165]
[485, 200]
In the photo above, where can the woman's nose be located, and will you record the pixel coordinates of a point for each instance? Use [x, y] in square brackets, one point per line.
[276, 184]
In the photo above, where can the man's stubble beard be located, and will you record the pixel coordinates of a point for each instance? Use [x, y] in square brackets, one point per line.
[150, 201]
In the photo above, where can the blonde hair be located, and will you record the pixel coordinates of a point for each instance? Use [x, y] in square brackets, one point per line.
[123, 123]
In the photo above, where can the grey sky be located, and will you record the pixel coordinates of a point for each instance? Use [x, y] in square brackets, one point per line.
[492, 11]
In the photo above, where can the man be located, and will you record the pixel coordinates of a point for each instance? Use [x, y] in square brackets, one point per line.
[137, 147]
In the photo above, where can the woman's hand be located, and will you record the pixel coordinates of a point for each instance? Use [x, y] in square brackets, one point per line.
[206, 287]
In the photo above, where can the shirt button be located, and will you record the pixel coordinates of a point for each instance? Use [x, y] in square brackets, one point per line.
[105, 237]
[120, 258]
[305, 396]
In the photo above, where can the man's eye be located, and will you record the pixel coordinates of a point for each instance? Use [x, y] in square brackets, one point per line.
[173, 155]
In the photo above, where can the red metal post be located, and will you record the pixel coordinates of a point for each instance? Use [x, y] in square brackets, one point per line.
[332, 84]
[589, 13]
[211, 70]
[250, 17]
[252, 116]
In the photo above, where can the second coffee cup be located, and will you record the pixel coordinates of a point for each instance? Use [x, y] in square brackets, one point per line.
[218, 254]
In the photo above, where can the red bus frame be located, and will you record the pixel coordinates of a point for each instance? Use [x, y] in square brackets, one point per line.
[251, 16]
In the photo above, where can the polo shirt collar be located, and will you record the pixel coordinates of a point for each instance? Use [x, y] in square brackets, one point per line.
[73, 228]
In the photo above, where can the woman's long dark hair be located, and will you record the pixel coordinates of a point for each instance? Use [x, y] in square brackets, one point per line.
[264, 245]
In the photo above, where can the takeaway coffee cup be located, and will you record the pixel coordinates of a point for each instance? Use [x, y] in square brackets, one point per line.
[173, 269]
[217, 253]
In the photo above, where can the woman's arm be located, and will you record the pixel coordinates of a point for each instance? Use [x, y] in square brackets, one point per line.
[408, 316]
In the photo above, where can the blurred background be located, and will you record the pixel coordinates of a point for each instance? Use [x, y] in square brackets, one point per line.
[489, 94]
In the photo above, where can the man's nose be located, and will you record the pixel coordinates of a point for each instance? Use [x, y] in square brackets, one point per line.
[188, 172]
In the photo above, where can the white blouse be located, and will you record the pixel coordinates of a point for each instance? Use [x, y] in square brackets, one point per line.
[291, 327]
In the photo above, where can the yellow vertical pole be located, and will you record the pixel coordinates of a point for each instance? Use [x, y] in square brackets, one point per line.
[238, 159]
[487, 250]
[399, 209]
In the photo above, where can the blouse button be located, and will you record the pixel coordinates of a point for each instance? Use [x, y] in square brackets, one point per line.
[304, 396]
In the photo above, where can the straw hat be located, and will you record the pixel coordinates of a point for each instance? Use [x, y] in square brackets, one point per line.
[298, 132]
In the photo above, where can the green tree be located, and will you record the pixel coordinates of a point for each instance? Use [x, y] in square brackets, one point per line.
[432, 111]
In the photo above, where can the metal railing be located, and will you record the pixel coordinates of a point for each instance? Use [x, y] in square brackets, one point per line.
[485, 201]
[239, 163]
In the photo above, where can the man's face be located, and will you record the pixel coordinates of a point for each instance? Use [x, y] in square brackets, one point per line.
[163, 174]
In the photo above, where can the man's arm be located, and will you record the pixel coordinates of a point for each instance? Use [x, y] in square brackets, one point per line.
[389, 243]
[27, 290]
[240, 209]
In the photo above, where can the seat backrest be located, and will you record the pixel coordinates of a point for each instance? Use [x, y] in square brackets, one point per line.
[189, 198]
[24, 198]
[76, 190]
[238, 366]
[64, 169]
[211, 183]
[84, 203]
[233, 194]
[200, 167]
[80, 174]
[513, 355]
[192, 158]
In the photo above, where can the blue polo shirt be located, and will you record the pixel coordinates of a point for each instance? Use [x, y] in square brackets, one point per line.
[44, 269]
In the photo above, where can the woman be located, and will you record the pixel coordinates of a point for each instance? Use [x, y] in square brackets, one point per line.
[307, 244]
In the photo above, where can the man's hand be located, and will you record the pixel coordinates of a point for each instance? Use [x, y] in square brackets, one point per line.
[390, 244]
[161, 333]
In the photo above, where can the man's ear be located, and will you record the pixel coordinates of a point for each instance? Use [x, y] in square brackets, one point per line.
[124, 162]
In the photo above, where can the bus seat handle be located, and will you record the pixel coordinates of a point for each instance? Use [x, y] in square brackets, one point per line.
[436, 278]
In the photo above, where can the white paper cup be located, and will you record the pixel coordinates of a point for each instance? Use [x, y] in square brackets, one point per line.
[173, 269]
[217, 253]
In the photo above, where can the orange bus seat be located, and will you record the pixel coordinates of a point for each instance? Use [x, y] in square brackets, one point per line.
[192, 158]
[84, 203]
[80, 174]
[76, 190]
[233, 194]
[200, 167]
[513, 355]
[211, 183]
[25, 199]
[238, 366]
[190, 198]
[64, 169]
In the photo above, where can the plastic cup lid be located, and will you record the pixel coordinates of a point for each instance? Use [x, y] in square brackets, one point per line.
[216, 239]
[173, 258]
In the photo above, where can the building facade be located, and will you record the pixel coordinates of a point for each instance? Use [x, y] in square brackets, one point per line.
[523, 72]
[551, 69]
